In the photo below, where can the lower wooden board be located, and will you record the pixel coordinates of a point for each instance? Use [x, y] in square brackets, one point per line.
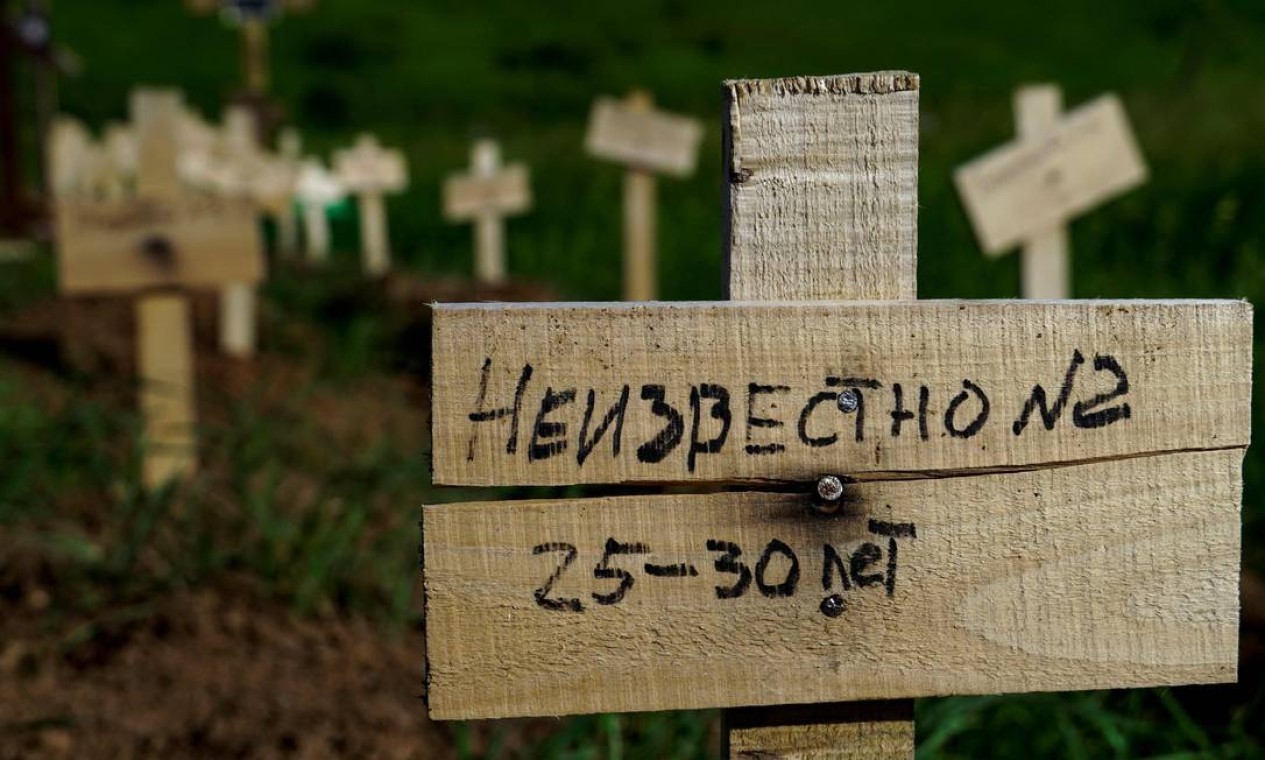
[124, 245]
[1121, 573]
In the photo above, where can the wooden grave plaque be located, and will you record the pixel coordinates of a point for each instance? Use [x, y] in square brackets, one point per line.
[1052, 173]
[154, 244]
[906, 498]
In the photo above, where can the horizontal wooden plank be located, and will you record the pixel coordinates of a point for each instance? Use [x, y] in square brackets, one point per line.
[1028, 186]
[130, 244]
[1115, 574]
[644, 139]
[560, 394]
[469, 196]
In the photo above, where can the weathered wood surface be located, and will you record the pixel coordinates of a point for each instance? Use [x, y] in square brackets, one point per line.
[1022, 189]
[734, 391]
[1122, 573]
[134, 243]
[838, 731]
[165, 365]
[822, 196]
[642, 138]
[1045, 268]
[857, 160]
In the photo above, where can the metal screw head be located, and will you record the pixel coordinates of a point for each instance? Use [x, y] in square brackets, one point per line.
[830, 488]
[833, 606]
[849, 401]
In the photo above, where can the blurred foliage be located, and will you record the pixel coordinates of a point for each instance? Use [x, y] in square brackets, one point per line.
[429, 76]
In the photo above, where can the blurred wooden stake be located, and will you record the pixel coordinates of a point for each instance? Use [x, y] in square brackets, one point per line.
[165, 365]
[640, 278]
[487, 194]
[1046, 265]
[238, 320]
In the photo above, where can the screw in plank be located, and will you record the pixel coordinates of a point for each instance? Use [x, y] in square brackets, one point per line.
[848, 401]
[833, 606]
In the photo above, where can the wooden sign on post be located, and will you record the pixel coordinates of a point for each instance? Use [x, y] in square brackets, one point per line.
[158, 242]
[485, 195]
[1060, 166]
[647, 142]
[368, 171]
[971, 497]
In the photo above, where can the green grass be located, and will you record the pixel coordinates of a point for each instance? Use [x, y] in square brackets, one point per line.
[427, 76]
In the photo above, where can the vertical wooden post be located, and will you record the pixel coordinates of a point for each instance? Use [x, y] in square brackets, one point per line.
[1045, 263]
[237, 299]
[165, 364]
[489, 230]
[255, 54]
[639, 222]
[237, 319]
[163, 329]
[290, 146]
[826, 211]
[373, 234]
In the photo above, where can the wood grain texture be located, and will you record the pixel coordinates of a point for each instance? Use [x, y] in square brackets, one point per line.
[838, 731]
[1046, 262]
[1022, 189]
[1145, 376]
[772, 253]
[1116, 574]
[165, 364]
[822, 192]
[643, 138]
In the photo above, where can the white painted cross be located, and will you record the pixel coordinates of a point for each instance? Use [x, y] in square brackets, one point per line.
[647, 141]
[369, 171]
[158, 243]
[484, 195]
[1058, 167]
[317, 189]
[938, 497]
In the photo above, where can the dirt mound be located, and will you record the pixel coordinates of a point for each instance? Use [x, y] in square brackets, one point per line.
[216, 674]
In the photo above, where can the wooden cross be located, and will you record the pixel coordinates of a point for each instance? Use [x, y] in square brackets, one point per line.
[1060, 166]
[939, 497]
[646, 141]
[368, 171]
[157, 243]
[484, 195]
[252, 18]
[317, 189]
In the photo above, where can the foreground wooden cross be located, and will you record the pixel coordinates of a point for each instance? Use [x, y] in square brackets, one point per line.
[485, 195]
[942, 497]
[369, 171]
[1060, 166]
[646, 141]
[158, 243]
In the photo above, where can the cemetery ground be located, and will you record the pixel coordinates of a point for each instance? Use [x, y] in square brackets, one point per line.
[271, 608]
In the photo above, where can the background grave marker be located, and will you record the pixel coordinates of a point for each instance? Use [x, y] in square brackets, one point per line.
[1025, 192]
[369, 171]
[290, 150]
[969, 554]
[156, 243]
[646, 141]
[317, 189]
[484, 195]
